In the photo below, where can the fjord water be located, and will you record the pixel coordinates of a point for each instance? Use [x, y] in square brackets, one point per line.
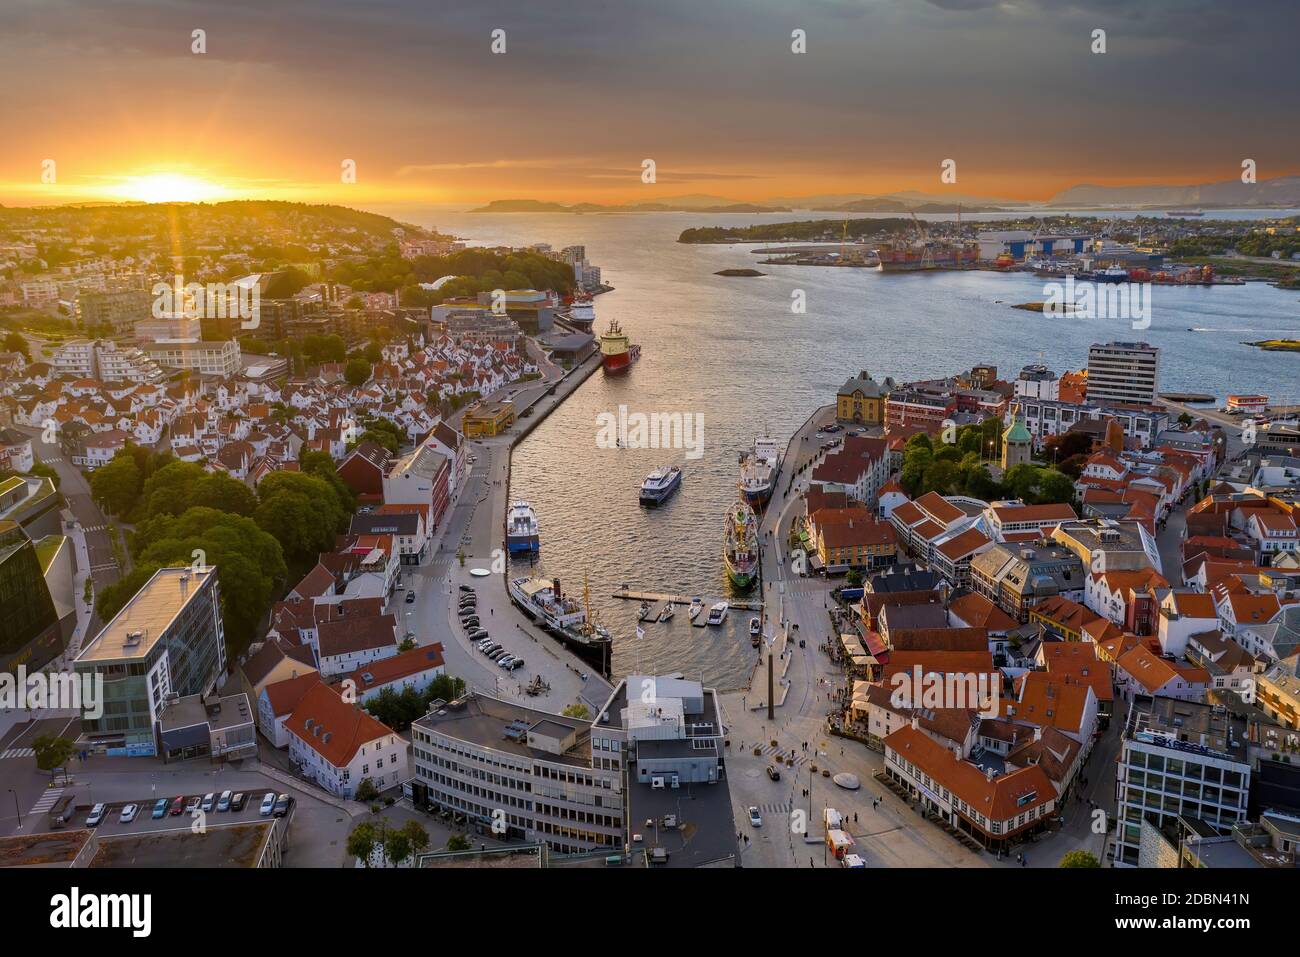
[732, 350]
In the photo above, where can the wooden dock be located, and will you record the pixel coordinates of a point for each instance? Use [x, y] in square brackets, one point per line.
[651, 596]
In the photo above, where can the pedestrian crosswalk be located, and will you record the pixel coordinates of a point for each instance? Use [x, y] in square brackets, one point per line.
[800, 758]
[47, 800]
[17, 753]
[94, 528]
[774, 809]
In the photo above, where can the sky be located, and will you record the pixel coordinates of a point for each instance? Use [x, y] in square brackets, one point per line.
[109, 101]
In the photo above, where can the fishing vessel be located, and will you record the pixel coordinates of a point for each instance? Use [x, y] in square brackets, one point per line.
[758, 470]
[522, 530]
[617, 352]
[697, 606]
[560, 615]
[740, 544]
[718, 613]
[582, 312]
[660, 484]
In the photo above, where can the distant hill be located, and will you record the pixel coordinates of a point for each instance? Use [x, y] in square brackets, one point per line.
[666, 206]
[1283, 192]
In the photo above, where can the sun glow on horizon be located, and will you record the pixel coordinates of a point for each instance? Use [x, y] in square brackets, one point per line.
[169, 188]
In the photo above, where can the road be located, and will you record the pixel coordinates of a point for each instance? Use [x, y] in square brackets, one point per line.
[474, 526]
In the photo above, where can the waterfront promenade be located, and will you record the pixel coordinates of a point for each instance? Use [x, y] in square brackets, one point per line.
[474, 527]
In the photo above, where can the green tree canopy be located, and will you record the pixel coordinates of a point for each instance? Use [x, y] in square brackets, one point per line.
[116, 485]
[1080, 859]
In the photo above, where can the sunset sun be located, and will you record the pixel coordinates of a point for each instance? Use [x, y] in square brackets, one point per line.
[169, 188]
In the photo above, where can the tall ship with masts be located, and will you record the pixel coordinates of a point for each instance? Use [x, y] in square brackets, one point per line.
[740, 544]
[565, 618]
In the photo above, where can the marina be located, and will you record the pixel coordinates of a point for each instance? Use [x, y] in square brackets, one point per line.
[648, 596]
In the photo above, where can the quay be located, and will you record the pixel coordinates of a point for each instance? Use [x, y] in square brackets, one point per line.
[654, 596]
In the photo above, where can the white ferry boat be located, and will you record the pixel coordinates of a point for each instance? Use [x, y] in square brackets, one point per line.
[522, 530]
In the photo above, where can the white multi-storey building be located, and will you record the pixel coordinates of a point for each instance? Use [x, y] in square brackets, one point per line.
[1123, 372]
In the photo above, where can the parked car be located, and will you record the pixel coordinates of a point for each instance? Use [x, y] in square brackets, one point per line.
[178, 806]
[479, 635]
[494, 655]
[238, 801]
[504, 661]
[516, 663]
[268, 804]
[754, 817]
[410, 597]
[160, 808]
[128, 813]
[96, 815]
[466, 588]
[209, 801]
[193, 805]
[282, 805]
[223, 802]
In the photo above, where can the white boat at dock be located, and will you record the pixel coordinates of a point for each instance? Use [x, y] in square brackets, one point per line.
[697, 606]
[667, 613]
[718, 613]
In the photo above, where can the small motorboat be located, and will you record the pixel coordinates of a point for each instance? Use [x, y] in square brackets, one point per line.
[645, 611]
[718, 613]
[697, 606]
[755, 626]
[667, 613]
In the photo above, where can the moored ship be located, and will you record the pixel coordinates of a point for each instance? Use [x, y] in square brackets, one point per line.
[582, 313]
[740, 545]
[660, 484]
[564, 618]
[617, 352]
[758, 471]
[522, 530]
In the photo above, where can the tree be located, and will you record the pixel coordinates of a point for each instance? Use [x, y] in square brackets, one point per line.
[357, 372]
[417, 835]
[1054, 487]
[576, 710]
[53, 752]
[116, 485]
[218, 490]
[16, 343]
[249, 561]
[302, 511]
[854, 578]
[397, 845]
[407, 644]
[167, 490]
[366, 790]
[364, 839]
[1080, 859]
[458, 842]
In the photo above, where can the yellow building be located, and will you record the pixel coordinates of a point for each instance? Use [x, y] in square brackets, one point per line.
[486, 419]
[861, 401]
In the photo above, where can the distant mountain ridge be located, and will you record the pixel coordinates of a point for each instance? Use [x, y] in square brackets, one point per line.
[668, 205]
[1282, 192]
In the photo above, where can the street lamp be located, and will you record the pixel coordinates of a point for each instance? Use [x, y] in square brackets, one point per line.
[17, 811]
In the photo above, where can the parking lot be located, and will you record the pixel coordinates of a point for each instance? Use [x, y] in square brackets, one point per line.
[145, 822]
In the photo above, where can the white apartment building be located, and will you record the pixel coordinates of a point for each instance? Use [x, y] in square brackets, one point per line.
[339, 745]
[1123, 372]
[1038, 382]
[220, 359]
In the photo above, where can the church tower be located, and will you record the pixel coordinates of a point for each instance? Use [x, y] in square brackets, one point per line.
[1017, 443]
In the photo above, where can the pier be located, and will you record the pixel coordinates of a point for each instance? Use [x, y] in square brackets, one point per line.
[654, 596]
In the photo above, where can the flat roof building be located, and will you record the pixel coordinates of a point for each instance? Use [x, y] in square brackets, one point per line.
[167, 640]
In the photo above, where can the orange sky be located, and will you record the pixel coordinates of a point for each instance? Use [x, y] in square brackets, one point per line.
[885, 92]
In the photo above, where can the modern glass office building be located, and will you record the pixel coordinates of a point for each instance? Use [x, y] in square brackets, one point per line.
[167, 640]
[29, 627]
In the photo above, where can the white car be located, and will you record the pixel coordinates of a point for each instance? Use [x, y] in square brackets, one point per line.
[268, 804]
[754, 817]
[96, 815]
[128, 813]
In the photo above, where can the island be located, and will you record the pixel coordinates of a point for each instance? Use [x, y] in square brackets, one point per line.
[739, 272]
[540, 206]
